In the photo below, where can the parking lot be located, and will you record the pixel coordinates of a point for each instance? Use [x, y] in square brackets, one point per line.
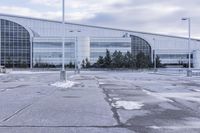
[99, 102]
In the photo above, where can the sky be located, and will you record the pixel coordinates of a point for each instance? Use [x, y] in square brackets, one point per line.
[154, 16]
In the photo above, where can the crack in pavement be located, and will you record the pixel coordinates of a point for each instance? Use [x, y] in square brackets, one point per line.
[17, 112]
[14, 87]
[113, 109]
[22, 109]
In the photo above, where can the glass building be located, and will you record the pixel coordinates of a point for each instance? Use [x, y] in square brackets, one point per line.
[50, 52]
[26, 42]
[140, 45]
[15, 44]
[98, 47]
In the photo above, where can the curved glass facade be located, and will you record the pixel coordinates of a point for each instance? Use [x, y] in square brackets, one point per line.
[140, 45]
[15, 44]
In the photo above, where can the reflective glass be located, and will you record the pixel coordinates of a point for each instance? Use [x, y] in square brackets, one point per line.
[15, 44]
[140, 45]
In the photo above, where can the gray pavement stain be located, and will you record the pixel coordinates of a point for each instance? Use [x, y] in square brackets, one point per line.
[157, 116]
[71, 96]
[191, 84]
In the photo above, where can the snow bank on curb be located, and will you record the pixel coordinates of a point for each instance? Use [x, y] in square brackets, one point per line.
[128, 105]
[64, 84]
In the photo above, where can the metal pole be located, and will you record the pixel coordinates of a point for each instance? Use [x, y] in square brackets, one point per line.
[189, 71]
[0, 51]
[154, 54]
[31, 54]
[189, 40]
[63, 72]
[0, 42]
[77, 56]
[63, 39]
[76, 66]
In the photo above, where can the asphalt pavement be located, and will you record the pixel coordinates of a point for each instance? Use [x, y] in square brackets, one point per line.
[99, 102]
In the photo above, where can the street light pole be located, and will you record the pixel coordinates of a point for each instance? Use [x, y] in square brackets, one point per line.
[189, 71]
[189, 42]
[76, 55]
[77, 69]
[155, 67]
[63, 72]
[0, 43]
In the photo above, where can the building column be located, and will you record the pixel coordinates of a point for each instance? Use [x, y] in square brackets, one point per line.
[83, 49]
[196, 59]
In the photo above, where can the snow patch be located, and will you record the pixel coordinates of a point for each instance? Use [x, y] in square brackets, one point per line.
[31, 72]
[157, 95]
[175, 127]
[102, 83]
[110, 100]
[197, 90]
[128, 105]
[155, 127]
[116, 98]
[184, 96]
[64, 84]
[192, 96]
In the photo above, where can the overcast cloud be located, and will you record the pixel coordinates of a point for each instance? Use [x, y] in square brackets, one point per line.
[155, 16]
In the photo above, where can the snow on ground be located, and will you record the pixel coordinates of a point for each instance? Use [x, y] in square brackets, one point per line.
[158, 96]
[75, 77]
[128, 105]
[31, 72]
[176, 127]
[192, 96]
[64, 84]
[197, 90]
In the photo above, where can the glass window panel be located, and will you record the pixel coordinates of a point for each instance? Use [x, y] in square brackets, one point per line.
[15, 45]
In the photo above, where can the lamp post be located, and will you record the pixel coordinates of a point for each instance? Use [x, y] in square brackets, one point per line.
[63, 72]
[0, 49]
[0, 43]
[77, 62]
[189, 71]
[77, 67]
[155, 67]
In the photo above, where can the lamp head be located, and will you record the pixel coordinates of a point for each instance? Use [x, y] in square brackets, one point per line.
[184, 19]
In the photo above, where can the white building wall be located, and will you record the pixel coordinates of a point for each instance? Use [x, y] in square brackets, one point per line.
[196, 59]
[45, 28]
[83, 49]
